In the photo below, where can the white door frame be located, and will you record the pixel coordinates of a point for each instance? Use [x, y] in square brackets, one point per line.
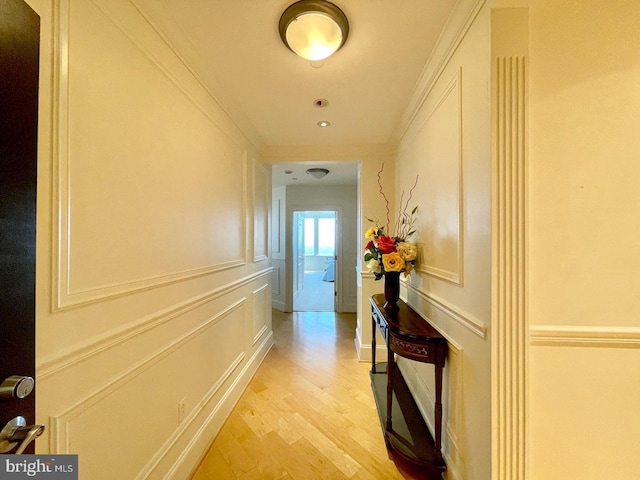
[289, 262]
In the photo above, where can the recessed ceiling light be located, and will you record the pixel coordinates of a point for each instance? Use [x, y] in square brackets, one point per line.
[288, 172]
[323, 123]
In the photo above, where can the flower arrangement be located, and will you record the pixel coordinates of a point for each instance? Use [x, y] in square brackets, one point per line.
[390, 251]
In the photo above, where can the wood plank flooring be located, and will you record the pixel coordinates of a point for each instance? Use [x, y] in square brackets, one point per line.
[307, 414]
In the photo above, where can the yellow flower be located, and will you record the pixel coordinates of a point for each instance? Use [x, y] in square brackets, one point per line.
[371, 232]
[393, 262]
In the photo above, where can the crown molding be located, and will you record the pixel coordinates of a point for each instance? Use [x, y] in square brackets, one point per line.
[457, 26]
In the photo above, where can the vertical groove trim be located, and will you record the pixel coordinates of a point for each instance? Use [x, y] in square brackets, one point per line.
[509, 268]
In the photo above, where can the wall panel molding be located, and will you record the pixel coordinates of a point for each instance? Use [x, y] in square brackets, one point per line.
[275, 284]
[452, 92]
[468, 321]
[261, 312]
[106, 6]
[113, 339]
[584, 336]
[276, 245]
[261, 198]
[59, 437]
[64, 295]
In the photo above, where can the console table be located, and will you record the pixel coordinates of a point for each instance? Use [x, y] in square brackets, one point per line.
[406, 434]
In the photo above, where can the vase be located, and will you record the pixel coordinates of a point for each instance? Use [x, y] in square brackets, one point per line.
[391, 291]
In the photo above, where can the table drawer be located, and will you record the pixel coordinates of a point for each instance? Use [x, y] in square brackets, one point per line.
[413, 350]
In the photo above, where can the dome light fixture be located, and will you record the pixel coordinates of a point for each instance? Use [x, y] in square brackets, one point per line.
[314, 29]
[317, 173]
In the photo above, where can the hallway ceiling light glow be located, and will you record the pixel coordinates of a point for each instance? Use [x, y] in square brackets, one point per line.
[317, 172]
[314, 29]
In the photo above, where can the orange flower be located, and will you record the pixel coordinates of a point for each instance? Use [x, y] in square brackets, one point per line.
[385, 244]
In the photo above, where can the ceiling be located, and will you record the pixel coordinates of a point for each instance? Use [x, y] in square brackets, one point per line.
[235, 48]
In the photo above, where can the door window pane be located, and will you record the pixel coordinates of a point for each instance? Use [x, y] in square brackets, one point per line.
[326, 237]
[309, 236]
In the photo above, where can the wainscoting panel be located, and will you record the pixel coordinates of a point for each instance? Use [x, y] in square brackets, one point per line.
[278, 284]
[170, 370]
[584, 381]
[262, 312]
[151, 397]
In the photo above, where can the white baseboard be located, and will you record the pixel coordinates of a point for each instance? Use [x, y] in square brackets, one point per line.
[277, 305]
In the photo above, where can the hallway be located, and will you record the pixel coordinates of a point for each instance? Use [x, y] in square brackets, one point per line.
[307, 414]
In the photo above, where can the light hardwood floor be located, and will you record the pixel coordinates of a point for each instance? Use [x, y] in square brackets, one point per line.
[307, 414]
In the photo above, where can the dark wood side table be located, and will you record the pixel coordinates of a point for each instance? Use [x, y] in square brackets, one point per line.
[409, 335]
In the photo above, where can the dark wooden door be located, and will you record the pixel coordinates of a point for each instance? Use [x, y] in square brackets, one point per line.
[19, 53]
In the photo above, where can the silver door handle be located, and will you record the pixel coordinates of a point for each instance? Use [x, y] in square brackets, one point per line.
[16, 431]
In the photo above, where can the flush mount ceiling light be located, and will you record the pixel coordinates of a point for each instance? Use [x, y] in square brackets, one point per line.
[314, 29]
[317, 172]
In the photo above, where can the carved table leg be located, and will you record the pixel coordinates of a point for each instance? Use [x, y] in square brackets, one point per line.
[390, 370]
[438, 414]
[373, 343]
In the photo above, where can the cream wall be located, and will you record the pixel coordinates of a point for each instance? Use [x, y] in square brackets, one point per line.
[447, 145]
[583, 229]
[153, 255]
[567, 391]
[142, 305]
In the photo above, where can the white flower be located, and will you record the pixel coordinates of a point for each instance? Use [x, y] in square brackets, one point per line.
[374, 266]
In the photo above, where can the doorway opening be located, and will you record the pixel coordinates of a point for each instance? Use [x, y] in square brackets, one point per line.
[314, 252]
